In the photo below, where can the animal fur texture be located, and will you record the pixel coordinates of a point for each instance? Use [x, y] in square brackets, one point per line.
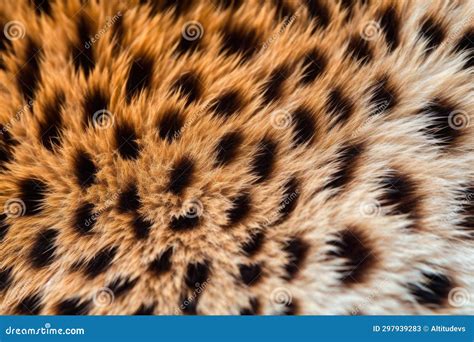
[236, 157]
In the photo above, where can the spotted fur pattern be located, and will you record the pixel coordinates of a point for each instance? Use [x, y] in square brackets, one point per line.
[236, 157]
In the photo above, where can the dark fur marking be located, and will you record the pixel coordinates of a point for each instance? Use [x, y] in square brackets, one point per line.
[44, 248]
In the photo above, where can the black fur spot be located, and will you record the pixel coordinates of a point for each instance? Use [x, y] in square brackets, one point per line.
[5, 155]
[155, 6]
[145, 310]
[29, 74]
[291, 308]
[42, 6]
[467, 210]
[254, 244]
[318, 11]
[50, 127]
[250, 274]
[178, 7]
[227, 104]
[85, 218]
[5, 43]
[226, 4]
[184, 223]
[170, 125]
[32, 193]
[189, 305]
[4, 226]
[118, 33]
[433, 33]
[82, 50]
[273, 87]
[241, 206]
[359, 49]
[297, 251]
[240, 40]
[339, 106]
[383, 97]
[282, 10]
[73, 306]
[290, 199]
[126, 140]
[30, 305]
[442, 116]
[348, 5]
[139, 77]
[85, 169]
[188, 85]
[162, 263]
[44, 248]
[262, 163]
[187, 45]
[181, 175]
[5, 140]
[95, 101]
[120, 286]
[197, 274]
[304, 126]
[227, 148]
[6, 278]
[390, 25]
[100, 262]
[354, 248]
[141, 227]
[434, 291]
[254, 308]
[129, 200]
[6, 137]
[348, 157]
[314, 64]
[401, 192]
[466, 44]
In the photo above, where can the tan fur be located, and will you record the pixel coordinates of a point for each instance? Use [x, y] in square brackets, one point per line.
[392, 142]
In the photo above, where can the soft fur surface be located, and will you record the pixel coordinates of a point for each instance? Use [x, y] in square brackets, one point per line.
[236, 157]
